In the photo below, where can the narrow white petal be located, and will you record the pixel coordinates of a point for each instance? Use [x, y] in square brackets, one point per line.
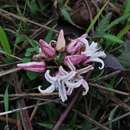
[85, 70]
[83, 40]
[70, 65]
[69, 91]
[85, 86]
[50, 89]
[73, 84]
[68, 76]
[48, 77]
[62, 92]
[100, 54]
[62, 70]
[84, 36]
[94, 46]
[97, 60]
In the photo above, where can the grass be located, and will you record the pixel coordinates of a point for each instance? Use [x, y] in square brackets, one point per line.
[22, 24]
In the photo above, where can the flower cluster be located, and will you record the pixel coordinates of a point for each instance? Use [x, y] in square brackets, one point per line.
[76, 53]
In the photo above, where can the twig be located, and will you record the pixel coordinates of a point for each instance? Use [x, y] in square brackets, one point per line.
[115, 119]
[3, 73]
[66, 112]
[107, 76]
[24, 108]
[3, 12]
[90, 14]
[88, 118]
[30, 95]
[34, 110]
[26, 122]
[91, 120]
[10, 55]
[109, 89]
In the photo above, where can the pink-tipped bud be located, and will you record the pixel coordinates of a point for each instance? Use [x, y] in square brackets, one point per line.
[33, 66]
[47, 50]
[60, 44]
[76, 45]
[75, 59]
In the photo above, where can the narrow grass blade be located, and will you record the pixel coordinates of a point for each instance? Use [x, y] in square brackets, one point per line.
[117, 21]
[6, 99]
[4, 41]
[96, 17]
[124, 31]
[111, 116]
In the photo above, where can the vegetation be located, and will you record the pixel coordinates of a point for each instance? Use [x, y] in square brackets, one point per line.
[107, 104]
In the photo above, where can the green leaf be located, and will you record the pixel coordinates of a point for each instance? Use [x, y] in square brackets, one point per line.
[32, 42]
[117, 21]
[51, 110]
[19, 38]
[6, 99]
[49, 36]
[73, 120]
[103, 24]
[66, 15]
[113, 39]
[96, 17]
[124, 58]
[4, 41]
[32, 75]
[31, 51]
[127, 7]
[86, 125]
[33, 6]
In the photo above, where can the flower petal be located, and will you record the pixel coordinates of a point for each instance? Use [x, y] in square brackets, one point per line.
[68, 76]
[69, 91]
[85, 86]
[94, 46]
[85, 70]
[62, 70]
[49, 78]
[97, 60]
[73, 84]
[100, 54]
[62, 92]
[70, 64]
[50, 89]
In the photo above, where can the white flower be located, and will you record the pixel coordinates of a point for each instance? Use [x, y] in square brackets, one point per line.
[59, 82]
[65, 82]
[94, 53]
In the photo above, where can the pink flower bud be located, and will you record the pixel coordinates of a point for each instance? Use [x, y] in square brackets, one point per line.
[33, 66]
[75, 59]
[77, 44]
[46, 49]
